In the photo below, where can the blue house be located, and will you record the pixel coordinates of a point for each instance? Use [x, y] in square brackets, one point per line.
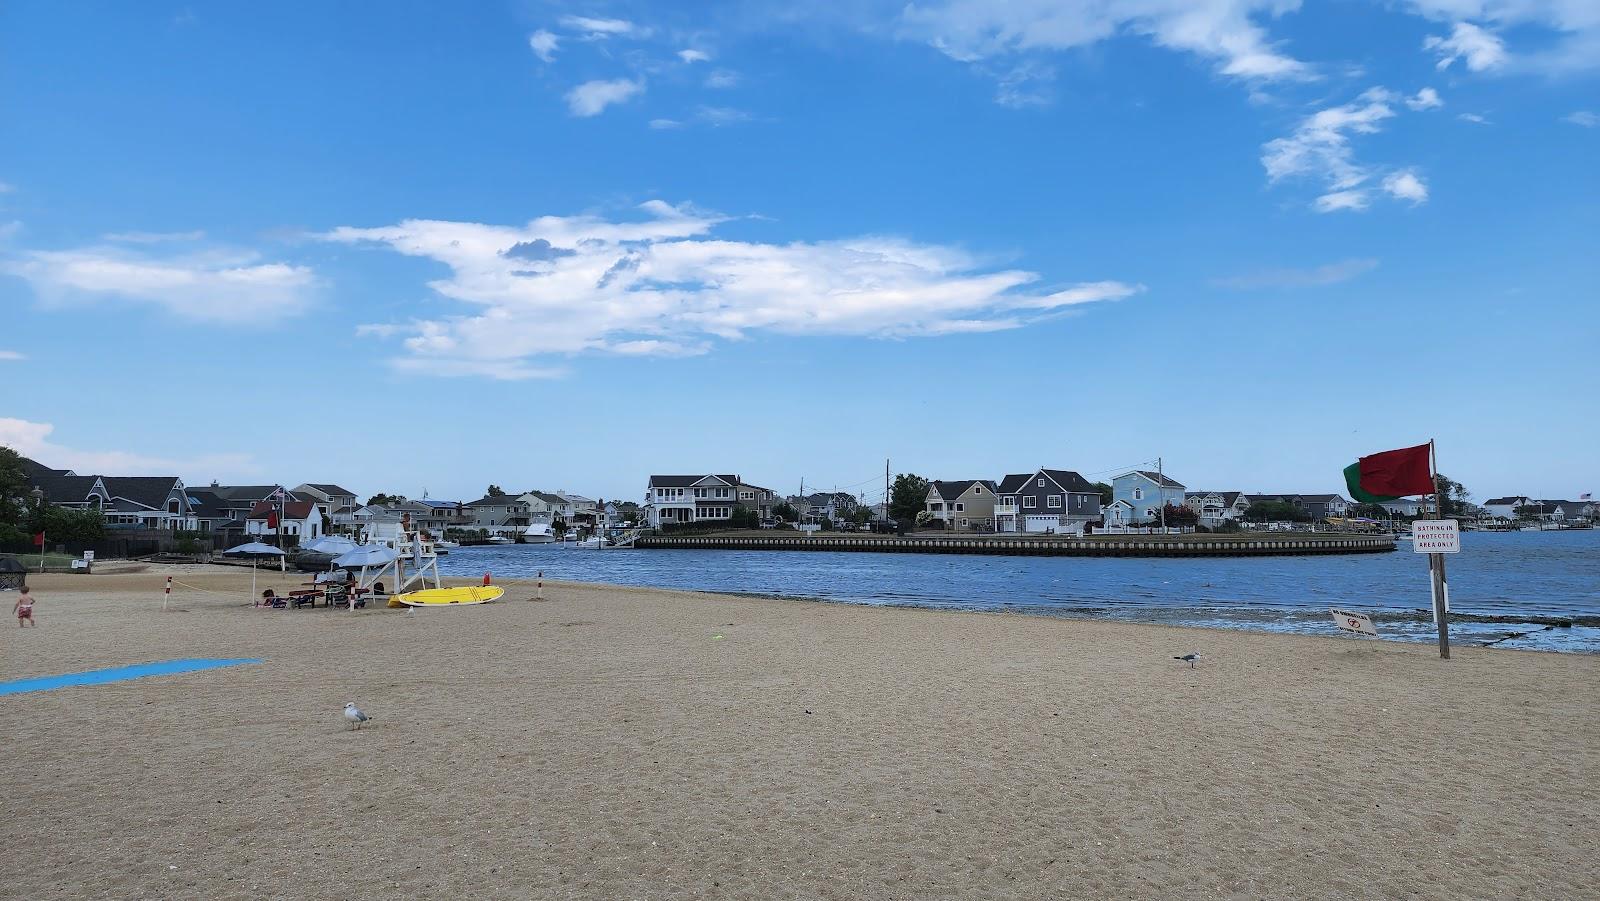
[1145, 494]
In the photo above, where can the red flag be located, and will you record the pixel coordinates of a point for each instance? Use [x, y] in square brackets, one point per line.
[38, 540]
[272, 520]
[1398, 473]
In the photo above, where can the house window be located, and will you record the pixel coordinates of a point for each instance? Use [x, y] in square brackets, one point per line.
[700, 492]
[979, 489]
[1041, 483]
[961, 508]
[963, 522]
[1028, 503]
[1149, 512]
[1055, 501]
[1138, 494]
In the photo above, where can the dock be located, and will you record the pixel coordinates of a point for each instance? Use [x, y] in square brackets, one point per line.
[1190, 545]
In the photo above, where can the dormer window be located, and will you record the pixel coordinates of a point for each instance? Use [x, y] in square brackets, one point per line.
[1041, 483]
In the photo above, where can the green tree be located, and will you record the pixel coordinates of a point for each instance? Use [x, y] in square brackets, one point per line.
[1453, 496]
[1276, 511]
[908, 496]
[381, 498]
[1370, 511]
[1105, 493]
[494, 491]
[14, 499]
[785, 512]
[861, 515]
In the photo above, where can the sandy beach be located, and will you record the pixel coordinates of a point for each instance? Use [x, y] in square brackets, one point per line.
[635, 743]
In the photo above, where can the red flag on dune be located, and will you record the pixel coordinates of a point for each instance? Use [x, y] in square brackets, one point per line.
[38, 539]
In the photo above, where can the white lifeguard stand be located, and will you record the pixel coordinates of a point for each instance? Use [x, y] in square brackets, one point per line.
[416, 563]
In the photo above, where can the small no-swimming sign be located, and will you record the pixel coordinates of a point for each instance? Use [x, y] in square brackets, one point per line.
[1350, 621]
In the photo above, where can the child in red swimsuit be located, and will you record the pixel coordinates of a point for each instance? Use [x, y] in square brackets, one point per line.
[24, 609]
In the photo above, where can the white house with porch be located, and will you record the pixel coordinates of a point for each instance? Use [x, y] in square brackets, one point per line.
[676, 499]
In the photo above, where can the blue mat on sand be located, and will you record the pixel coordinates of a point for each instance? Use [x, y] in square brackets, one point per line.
[119, 674]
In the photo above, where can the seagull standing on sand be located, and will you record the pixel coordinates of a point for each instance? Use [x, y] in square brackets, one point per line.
[1190, 657]
[354, 716]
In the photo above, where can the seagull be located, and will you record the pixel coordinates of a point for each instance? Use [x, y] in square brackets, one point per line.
[354, 716]
[1190, 658]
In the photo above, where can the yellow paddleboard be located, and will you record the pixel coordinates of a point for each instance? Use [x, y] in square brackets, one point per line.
[444, 597]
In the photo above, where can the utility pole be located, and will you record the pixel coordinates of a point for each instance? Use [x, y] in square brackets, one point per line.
[885, 489]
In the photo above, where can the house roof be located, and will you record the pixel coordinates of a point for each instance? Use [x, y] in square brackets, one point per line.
[1066, 478]
[1320, 498]
[331, 490]
[549, 498]
[206, 505]
[950, 490]
[492, 500]
[1228, 497]
[1165, 481]
[146, 491]
[33, 469]
[236, 493]
[688, 481]
[1504, 501]
[439, 505]
[291, 510]
[60, 489]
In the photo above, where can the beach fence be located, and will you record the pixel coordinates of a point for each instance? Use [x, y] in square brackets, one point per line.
[121, 544]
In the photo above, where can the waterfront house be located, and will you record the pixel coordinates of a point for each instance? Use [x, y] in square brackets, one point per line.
[1410, 506]
[499, 514]
[546, 507]
[962, 504]
[1322, 506]
[1505, 507]
[301, 519]
[337, 503]
[677, 499]
[1146, 492]
[437, 516]
[1046, 500]
[834, 506]
[135, 502]
[239, 500]
[761, 500]
[578, 505]
[1216, 507]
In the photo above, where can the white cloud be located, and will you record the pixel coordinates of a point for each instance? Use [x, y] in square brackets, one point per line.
[1479, 49]
[6, 187]
[694, 56]
[544, 45]
[1319, 148]
[1221, 30]
[211, 286]
[1406, 185]
[12, 355]
[1563, 35]
[1473, 118]
[1427, 98]
[154, 237]
[722, 78]
[1319, 276]
[599, 29]
[665, 123]
[721, 115]
[32, 439]
[1584, 118]
[1320, 145]
[592, 97]
[663, 285]
[1335, 201]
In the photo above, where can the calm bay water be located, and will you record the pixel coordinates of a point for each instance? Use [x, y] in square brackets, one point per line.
[1511, 575]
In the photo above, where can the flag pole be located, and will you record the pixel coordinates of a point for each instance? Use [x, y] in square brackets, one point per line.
[1436, 562]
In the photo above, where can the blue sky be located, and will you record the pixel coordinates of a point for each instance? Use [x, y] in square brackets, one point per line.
[568, 245]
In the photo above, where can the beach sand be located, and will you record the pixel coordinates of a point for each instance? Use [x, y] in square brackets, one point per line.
[629, 743]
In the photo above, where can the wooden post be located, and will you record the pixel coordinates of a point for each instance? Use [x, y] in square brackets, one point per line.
[166, 596]
[1436, 566]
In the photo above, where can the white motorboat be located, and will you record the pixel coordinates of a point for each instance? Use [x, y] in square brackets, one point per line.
[444, 544]
[593, 541]
[572, 535]
[501, 539]
[538, 533]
